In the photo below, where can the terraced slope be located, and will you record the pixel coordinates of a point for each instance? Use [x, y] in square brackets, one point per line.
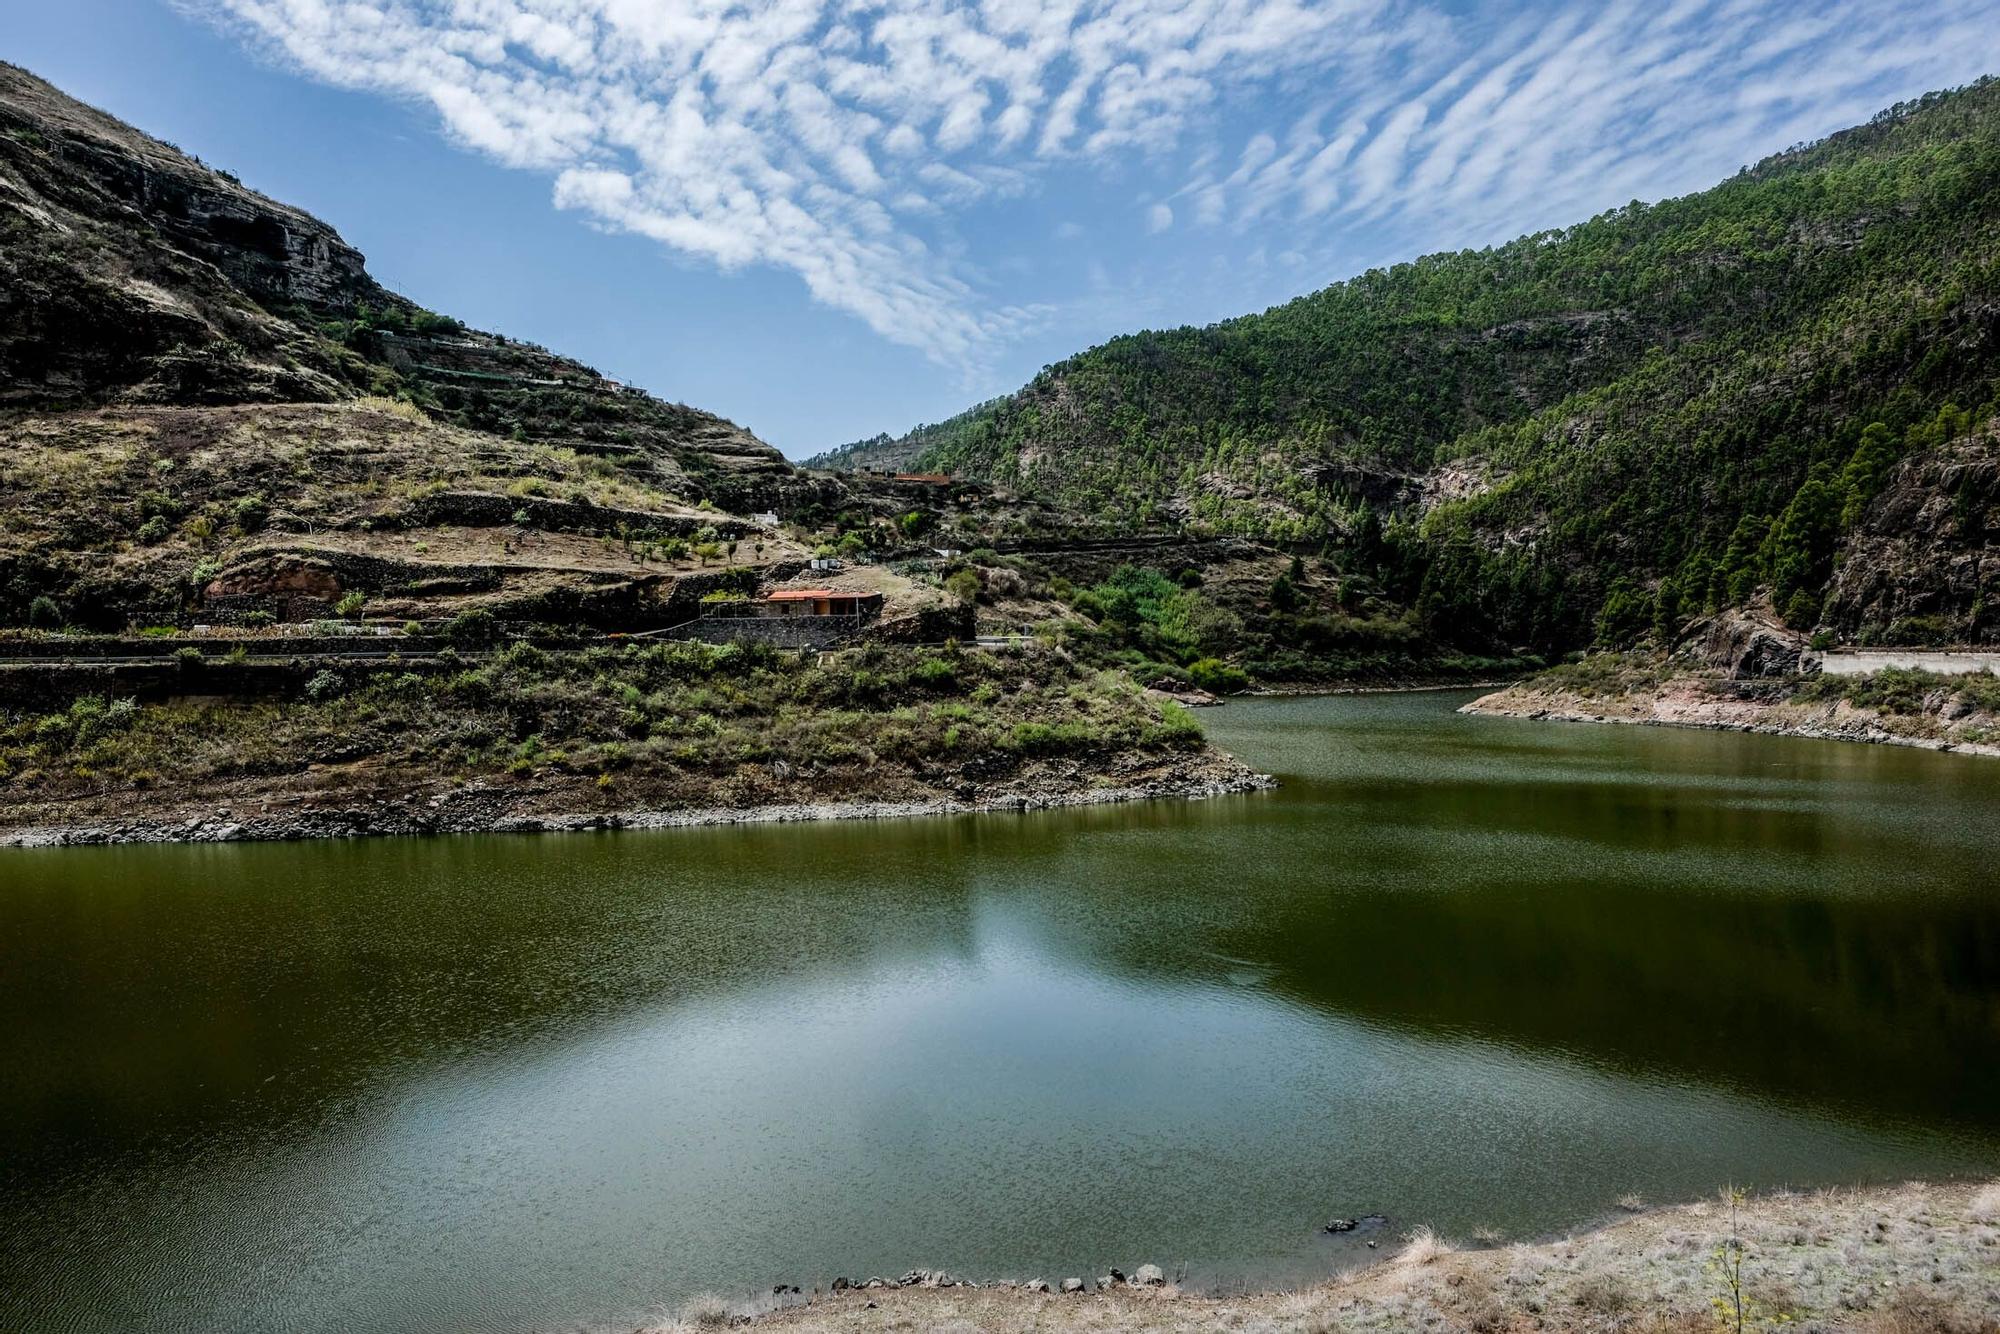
[133, 272]
[204, 396]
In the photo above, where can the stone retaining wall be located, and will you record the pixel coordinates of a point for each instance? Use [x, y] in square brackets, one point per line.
[781, 631]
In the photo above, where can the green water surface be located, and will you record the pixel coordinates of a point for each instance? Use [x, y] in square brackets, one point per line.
[1470, 972]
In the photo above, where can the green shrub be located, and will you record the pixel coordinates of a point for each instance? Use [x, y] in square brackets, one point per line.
[1053, 739]
[964, 585]
[1802, 610]
[1930, 630]
[1178, 728]
[87, 719]
[1217, 676]
[935, 673]
[470, 629]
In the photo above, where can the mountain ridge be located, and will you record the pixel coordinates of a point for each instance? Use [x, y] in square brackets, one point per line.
[135, 273]
[1552, 432]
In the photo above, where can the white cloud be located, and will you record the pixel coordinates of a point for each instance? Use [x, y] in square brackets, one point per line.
[834, 138]
[809, 134]
[1561, 111]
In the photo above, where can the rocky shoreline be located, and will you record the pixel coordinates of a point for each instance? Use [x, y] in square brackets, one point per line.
[1413, 688]
[1685, 704]
[481, 808]
[1898, 1259]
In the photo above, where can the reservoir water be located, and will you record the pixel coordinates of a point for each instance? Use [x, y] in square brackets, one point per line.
[1477, 973]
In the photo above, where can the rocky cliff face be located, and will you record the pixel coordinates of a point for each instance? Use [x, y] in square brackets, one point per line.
[95, 167]
[1747, 643]
[128, 269]
[131, 272]
[1924, 565]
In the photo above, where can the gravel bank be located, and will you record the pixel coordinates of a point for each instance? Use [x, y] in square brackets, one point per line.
[1911, 1259]
[1689, 703]
[498, 808]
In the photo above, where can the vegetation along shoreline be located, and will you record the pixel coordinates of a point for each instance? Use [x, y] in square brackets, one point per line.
[1192, 782]
[1746, 672]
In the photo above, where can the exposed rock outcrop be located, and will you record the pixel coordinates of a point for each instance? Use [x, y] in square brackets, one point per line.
[1747, 643]
[1924, 564]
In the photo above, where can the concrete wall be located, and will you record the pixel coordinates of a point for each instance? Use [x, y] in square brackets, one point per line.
[1862, 661]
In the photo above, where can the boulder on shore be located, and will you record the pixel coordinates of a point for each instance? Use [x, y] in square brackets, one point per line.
[1750, 643]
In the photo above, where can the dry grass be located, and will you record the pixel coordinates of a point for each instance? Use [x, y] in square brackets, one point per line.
[706, 1311]
[1812, 1258]
[159, 493]
[1604, 1294]
[1422, 1247]
[1913, 1311]
[1985, 1206]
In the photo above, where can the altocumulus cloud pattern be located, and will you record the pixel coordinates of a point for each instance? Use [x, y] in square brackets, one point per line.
[839, 140]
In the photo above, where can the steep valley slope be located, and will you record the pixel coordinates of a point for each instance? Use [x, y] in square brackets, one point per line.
[284, 553]
[1783, 385]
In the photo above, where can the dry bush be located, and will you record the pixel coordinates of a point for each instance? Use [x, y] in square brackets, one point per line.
[395, 407]
[1678, 1322]
[1985, 1206]
[1423, 1246]
[1003, 583]
[1604, 1294]
[1914, 1311]
[706, 1311]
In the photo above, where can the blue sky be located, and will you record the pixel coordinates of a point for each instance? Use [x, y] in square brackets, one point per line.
[826, 218]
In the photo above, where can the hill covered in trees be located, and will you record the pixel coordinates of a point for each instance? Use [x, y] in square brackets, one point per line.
[1591, 433]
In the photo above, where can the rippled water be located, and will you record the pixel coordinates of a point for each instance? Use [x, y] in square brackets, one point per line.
[1462, 971]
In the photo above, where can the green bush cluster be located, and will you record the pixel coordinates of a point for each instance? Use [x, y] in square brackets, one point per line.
[651, 712]
[1906, 691]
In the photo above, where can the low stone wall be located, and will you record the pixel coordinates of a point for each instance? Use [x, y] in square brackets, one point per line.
[46, 686]
[932, 625]
[782, 631]
[80, 648]
[484, 509]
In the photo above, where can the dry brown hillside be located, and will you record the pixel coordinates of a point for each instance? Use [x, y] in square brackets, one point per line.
[204, 396]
